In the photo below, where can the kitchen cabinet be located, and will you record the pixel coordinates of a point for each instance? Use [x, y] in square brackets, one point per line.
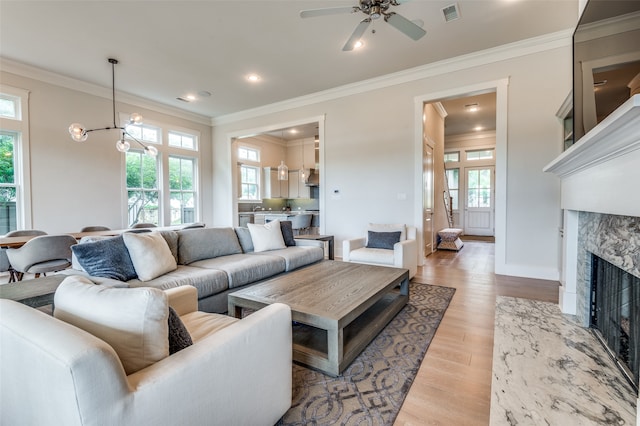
[297, 188]
[274, 188]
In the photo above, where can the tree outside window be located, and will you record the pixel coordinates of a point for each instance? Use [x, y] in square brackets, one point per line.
[8, 188]
[181, 190]
[142, 188]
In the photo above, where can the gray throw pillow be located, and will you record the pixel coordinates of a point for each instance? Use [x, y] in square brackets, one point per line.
[179, 337]
[287, 233]
[383, 240]
[106, 258]
[244, 236]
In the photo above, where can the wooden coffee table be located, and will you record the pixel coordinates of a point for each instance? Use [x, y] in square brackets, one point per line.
[339, 308]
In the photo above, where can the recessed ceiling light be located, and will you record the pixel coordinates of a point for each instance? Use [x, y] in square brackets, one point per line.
[471, 107]
[191, 97]
[358, 44]
[254, 78]
[293, 131]
[478, 128]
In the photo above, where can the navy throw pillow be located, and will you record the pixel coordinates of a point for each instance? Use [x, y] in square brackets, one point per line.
[287, 233]
[107, 258]
[179, 337]
[383, 240]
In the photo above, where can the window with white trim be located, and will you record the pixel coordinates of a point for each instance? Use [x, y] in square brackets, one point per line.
[14, 160]
[452, 157]
[162, 190]
[453, 183]
[480, 154]
[249, 173]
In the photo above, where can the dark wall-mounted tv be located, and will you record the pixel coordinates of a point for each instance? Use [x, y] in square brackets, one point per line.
[606, 61]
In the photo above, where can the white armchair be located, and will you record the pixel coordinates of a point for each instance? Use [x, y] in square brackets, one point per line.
[236, 372]
[384, 250]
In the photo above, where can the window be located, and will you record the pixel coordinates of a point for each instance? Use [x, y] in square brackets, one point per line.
[479, 188]
[142, 188]
[14, 160]
[451, 157]
[249, 154]
[182, 140]
[181, 189]
[249, 173]
[162, 190]
[10, 106]
[481, 154]
[454, 186]
[145, 132]
[249, 182]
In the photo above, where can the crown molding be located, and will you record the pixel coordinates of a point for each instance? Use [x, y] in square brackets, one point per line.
[608, 27]
[29, 71]
[483, 57]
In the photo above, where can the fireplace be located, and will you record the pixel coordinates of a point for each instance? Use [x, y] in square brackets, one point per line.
[615, 315]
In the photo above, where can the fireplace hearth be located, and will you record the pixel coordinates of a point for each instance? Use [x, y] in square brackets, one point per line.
[615, 315]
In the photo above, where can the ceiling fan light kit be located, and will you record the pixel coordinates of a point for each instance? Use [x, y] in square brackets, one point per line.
[374, 9]
[80, 134]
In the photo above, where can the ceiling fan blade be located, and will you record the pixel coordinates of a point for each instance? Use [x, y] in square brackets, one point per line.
[310, 13]
[405, 26]
[357, 34]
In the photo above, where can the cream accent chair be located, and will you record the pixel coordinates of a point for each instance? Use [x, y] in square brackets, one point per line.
[237, 372]
[403, 255]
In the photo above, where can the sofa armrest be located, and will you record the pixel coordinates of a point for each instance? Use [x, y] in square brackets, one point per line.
[239, 375]
[349, 245]
[405, 255]
[183, 299]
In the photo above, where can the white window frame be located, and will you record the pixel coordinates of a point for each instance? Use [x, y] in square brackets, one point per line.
[472, 151]
[19, 125]
[449, 153]
[244, 162]
[181, 191]
[164, 152]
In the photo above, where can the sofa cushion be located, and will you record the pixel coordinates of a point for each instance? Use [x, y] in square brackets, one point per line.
[179, 337]
[171, 237]
[134, 322]
[150, 254]
[202, 324]
[266, 237]
[382, 240]
[108, 258]
[243, 269]
[244, 236]
[372, 255]
[392, 227]
[297, 257]
[287, 233]
[207, 281]
[206, 243]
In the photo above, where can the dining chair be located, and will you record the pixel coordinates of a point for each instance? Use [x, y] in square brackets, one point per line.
[95, 228]
[5, 265]
[300, 223]
[25, 233]
[42, 254]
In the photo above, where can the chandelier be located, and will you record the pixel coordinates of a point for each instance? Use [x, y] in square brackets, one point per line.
[80, 134]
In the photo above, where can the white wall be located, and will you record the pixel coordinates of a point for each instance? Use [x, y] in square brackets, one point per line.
[369, 147]
[78, 184]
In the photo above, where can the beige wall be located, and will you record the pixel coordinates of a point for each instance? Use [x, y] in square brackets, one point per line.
[77, 184]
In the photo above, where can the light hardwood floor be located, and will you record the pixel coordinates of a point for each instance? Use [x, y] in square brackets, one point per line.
[453, 385]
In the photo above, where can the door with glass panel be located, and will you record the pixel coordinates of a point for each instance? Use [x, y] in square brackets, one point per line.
[480, 199]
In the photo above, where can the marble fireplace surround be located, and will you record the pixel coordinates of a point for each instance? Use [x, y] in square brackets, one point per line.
[601, 205]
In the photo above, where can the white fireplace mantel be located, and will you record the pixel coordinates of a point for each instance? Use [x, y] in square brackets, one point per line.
[618, 134]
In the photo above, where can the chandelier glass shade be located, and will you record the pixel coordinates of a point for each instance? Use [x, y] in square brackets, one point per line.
[283, 171]
[80, 133]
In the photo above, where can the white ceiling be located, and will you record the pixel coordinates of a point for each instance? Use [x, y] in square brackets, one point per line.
[168, 49]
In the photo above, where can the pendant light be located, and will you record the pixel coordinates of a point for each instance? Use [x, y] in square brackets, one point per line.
[80, 134]
[283, 170]
[303, 174]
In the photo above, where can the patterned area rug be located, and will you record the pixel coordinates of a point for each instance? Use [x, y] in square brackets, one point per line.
[372, 389]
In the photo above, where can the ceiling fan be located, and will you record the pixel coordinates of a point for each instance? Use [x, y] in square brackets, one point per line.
[374, 9]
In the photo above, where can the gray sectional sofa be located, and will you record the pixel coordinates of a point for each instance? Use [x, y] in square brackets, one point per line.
[218, 261]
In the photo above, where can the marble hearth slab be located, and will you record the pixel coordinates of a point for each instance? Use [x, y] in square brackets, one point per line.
[547, 370]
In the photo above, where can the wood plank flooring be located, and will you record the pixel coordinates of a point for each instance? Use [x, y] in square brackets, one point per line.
[453, 385]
